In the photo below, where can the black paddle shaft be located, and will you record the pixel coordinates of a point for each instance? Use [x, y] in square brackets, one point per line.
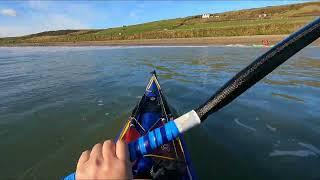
[259, 68]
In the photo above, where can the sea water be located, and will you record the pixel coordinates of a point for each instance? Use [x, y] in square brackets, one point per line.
[56, 102]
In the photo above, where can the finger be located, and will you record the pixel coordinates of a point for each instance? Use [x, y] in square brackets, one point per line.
[83, 158]
[122, 151]
[96, 151]
[108, 149]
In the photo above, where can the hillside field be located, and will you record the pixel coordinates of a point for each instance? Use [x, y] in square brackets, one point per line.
[276, 20]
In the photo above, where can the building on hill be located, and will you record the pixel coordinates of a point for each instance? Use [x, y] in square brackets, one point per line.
[262, 15]
[205, 16]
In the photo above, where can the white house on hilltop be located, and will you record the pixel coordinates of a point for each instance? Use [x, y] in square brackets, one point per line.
[204, 16]
[262, 15]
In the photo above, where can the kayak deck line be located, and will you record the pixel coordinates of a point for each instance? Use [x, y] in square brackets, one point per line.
[170, 159]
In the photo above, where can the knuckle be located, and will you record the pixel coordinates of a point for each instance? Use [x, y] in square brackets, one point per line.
[107, 141]
[97, 146]
[85, 152]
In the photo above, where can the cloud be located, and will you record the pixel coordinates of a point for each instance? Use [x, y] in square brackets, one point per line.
[39, 16]
[8, 12]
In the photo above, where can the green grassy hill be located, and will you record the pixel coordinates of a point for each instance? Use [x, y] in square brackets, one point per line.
[277, 20]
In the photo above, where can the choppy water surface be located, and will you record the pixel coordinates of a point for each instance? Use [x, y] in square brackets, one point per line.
[56, 102]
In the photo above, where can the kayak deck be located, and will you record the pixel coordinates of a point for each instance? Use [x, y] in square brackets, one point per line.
[171, 160]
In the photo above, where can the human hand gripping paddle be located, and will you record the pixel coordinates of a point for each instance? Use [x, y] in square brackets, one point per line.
[242, 81]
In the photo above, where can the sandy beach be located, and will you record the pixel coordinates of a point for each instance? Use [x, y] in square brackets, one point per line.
[233, 40]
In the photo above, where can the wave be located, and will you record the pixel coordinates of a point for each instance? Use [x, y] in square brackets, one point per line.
[310, 147]
[248, 46]
[271, 128]
[237, 45]
[243, 125]
[310, 151]
[298, 153]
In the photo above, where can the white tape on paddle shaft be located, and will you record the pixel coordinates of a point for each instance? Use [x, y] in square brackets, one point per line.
[187, 121]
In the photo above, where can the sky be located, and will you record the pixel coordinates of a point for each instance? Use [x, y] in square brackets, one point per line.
[26, 17]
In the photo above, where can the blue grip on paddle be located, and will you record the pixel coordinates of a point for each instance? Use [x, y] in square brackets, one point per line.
[149, 142]
[152, 140]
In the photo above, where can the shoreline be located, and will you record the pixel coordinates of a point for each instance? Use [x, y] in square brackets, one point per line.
[230, 40]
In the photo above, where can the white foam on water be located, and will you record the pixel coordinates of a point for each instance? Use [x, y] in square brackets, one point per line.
[261, 46]
[298, 153]
[178, 46]
[149, 46]
[258, 45]
[243, 125]
[277, 143]
[310, 147]
[246, 46]
[273, 129]
[100, 104]
[237, 45]
[106, 114]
